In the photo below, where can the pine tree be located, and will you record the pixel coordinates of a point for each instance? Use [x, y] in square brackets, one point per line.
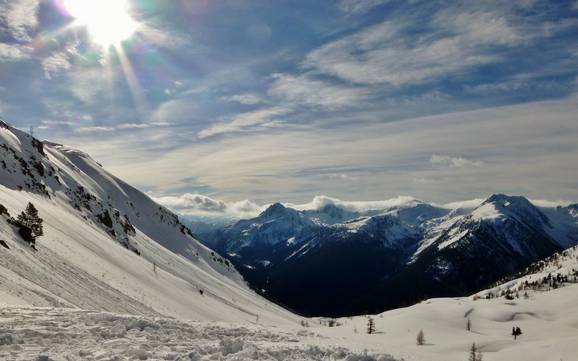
[30, 224]
[370, 326]
[420, 338]
[473, 353]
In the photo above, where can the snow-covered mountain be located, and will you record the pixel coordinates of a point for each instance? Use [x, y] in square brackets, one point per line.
[419, 250]
[106, 245]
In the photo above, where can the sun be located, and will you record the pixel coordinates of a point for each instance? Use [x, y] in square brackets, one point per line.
[108, 21]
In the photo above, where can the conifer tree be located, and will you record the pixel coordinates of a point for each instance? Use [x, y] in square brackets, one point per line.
[474, 354]
[30, 224]
[420, 338]
[370, 326]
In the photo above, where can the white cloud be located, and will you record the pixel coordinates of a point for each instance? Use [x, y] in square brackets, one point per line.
[55, 64]
[455, 162]
[138, 125]
[450, 42]
[20, 17]
[319, 202]
[246, 99]
[304, 90]
[95, 129]
[116, 127]
[358, 7]
[59, 61]
[10, 52]
[166, 38]
[551, 204]
[479, 26]
[239, 122]
[473, 203]
[199, 205]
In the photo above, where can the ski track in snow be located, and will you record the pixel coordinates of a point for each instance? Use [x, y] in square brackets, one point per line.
[52, 334]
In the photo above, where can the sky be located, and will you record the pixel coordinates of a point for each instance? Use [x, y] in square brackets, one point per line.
[226, 101]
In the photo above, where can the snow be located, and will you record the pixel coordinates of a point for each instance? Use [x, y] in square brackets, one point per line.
[454, 238]
[564, 263]
[70, 334]
[486, 212]
[548, 321]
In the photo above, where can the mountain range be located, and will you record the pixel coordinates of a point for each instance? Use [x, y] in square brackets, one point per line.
[339, 261]
[115, 274]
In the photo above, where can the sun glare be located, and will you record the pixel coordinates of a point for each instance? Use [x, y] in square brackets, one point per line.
[108, 21]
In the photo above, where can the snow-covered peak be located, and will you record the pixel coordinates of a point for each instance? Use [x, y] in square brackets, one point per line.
[501, 206]
[276, 210]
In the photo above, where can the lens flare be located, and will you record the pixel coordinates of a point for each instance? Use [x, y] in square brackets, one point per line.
[108, 21]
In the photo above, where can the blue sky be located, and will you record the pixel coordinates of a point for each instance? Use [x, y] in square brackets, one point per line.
[283, 100]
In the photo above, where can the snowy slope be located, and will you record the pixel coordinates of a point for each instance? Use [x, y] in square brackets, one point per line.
[556, 271]
[108, 246]
[548, 321]
[546, 310]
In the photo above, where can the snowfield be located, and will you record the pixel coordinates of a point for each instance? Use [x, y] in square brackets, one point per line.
[549, 322]
[36, 334]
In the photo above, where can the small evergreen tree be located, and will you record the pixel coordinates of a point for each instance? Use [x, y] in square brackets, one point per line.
[516, 331]
[420, 338]
[370, 326]
[475, 354]
[30, 224]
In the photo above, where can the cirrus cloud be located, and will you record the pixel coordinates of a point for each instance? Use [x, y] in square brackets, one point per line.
[258, 118]
[455, 162]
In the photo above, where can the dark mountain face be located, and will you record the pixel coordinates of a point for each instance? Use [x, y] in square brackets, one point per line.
[336, 262]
